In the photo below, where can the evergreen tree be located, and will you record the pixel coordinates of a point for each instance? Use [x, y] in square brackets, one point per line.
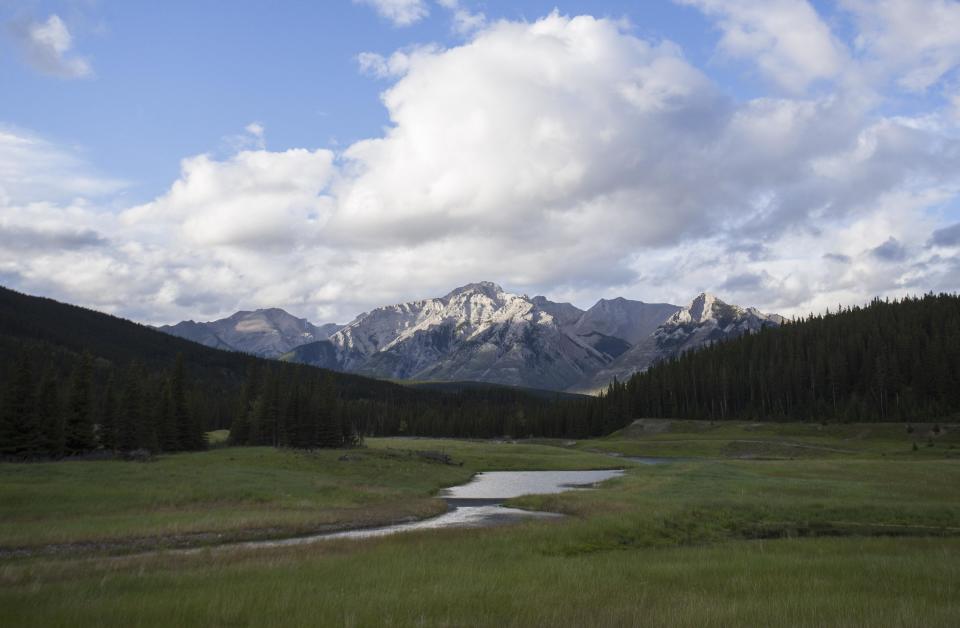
[79, 431]
[185, 426]
[130, 415]
[50, 415]
[108, 416]
[329, 431]
[21, 435]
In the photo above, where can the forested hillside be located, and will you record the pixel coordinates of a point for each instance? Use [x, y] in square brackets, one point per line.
[75, 381]
[888, 361]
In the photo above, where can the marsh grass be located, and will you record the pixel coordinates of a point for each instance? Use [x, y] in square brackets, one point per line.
[245, 492]
[750, 440]
[840, 541]
[491, 578]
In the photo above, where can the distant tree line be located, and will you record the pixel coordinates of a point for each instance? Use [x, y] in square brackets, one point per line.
[56, 404]
[288, 406]
[73, 381]
[893, 360]
[51, 411]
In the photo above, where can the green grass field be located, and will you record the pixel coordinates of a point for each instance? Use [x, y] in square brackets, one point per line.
[750, 440]
[856, 539]
[245, 493]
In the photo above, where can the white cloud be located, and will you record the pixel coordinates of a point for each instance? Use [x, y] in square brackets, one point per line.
[46, 47]
[564, 156]
[394, 66]
[787, 39]
[31, 168]
[465, 22]
[255, 199]
[399, 12]
[917, 41]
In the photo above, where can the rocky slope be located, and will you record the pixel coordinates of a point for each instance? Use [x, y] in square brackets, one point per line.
[479, 332]
[266, 333]
[706, 319]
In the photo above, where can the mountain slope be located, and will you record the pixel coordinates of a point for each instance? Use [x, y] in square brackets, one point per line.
[705, 320]
[266, 333]
[613, 326]
[477, 332]
[107, 362]
[621, 318]
[893, 360]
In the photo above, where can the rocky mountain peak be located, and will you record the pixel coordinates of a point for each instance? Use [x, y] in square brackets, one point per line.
[486, 288]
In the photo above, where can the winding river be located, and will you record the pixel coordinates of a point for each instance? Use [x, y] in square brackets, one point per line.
[476, 504]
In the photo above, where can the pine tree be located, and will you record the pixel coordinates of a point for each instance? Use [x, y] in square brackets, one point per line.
[185, 426]
[50, 415]
[165, 421]
[21, 434]
[329, 431]
[131, 412]
[108, 416]
[79, 432]
[242, 416]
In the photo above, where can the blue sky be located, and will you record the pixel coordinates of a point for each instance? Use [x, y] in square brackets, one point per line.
[175, 78]
[184, 159]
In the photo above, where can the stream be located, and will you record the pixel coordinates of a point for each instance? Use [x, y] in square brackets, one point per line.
[476, 504]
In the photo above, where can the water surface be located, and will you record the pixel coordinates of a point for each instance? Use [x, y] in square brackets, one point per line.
[476, 504]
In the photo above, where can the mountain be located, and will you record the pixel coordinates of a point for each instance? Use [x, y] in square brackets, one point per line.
[68, 372]
[478, 332]
[266, 333]
[893, 360]
[56, 335]
[613, 326]
[705, 320]
[621, 318]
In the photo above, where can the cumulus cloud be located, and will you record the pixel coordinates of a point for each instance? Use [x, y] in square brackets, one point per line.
[787, 39]
[254, 199]
[565, 156]
[46, 47]
[399, 12]
[918, 41]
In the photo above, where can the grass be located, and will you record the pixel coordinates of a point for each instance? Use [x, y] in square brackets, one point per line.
[744, 440]
[855, 539]
[240, 493]
[490, 578]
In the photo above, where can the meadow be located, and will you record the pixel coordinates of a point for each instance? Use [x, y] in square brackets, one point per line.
[857, 539]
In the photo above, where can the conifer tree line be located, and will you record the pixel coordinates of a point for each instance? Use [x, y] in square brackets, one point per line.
[74, 382]
[893, 360]
[49, 411]
[289, 406]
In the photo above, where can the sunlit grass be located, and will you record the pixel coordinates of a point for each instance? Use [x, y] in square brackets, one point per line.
[248, 492]
[859, 539]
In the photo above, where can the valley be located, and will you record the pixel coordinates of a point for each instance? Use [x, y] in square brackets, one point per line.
[705, 541]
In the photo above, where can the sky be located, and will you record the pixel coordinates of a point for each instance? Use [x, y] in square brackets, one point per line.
[185, 160]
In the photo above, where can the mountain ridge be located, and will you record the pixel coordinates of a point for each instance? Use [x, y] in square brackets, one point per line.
[481, 332]
[267, 332]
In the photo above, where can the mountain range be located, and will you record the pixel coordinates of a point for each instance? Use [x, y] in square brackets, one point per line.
[266, 333]
[479, 332]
